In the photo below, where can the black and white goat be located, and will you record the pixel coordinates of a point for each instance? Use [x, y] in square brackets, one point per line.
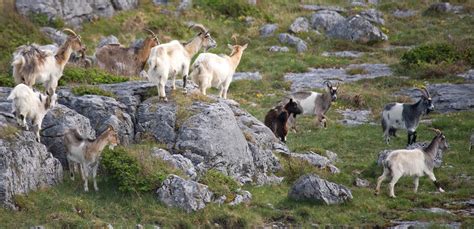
[414, 162]
[405, 116]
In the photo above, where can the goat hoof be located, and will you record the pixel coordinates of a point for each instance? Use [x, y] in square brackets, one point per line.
[441, 190]
[393, 197]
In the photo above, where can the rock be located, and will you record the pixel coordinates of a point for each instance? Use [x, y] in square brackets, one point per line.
[373, 15]
[319, 8]
[185, 5]
[187, 195]
[438, 159]
[249, 20]
[220, 200]
[355, 117]
[246, 76]
[325, 20]
[286, 38]
[447, 97]
[444, 7]
[57, 36]
[25, 165]
[108, 40]
[315, 77]
[268, 30]
[177, 161]
[311, 187]
[56, 123]
[299, 25]
[436, 211]
[242, 197]
[160, 2]
[279, 49]
[348, 54]
[419, 224]
[156, 120]
[331, 156]
[469, 75]
[74, 12]
[361, 183]
[316, 160]
[139, 226]
[404, 13]
[356, 29]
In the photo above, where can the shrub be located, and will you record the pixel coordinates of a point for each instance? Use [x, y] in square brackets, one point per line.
[42, 20]
[89, 76]
[6, 81]
[91, 90]
[294, 168]
[431, 53]
[135, 169]
[220, 184]
[232, 8]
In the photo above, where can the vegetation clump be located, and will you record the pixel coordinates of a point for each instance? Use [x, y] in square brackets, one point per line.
[91, 90]
[220, 184]
[89, 76]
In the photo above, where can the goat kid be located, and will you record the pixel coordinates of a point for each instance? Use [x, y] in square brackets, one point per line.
[86, 152]
[415, 162]
[405, 116]
[32, 65]
[173, 58]
[276, 118]
[28, 104]
[216, 70]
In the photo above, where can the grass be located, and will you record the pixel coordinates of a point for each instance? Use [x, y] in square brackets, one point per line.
[91, 90]
[357, 147]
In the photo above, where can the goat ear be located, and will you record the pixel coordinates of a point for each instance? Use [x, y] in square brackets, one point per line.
[245, 46]
[291, 100]
[230, 46]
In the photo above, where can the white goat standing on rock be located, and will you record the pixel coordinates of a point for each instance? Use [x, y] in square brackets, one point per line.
[173, 58]
[415, 162]
[216, 70]
[32, 65]
[28, 104]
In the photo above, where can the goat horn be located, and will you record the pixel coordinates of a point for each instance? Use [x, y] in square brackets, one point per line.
[423, 92]
[438, 132]
[70, 31]
[200, 27]
[427, 92]
[234, 36]
[153, 34]
[328, 83]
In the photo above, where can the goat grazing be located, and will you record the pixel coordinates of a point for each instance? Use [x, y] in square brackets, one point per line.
[276, 118]
[314, 103]
[174, 58]
[28, 104]
[405, 116]
[86, 152]
[32, 65]
[130, 61]
[415, 162]
[214, 70]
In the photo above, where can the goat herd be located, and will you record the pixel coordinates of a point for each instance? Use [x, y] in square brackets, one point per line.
[32, 65]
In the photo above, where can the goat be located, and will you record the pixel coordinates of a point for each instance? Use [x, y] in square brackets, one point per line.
[216, 70]
[405, 116]
[314, 103]
[32, 65]
[86, 152]
[130, 61]
[276, 118]
[174, 58]
[28, 104]
[415, 162]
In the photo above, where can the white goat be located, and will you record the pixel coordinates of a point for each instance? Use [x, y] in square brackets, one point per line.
[173, 58]
[32, 65]
[28, 104]
[214, 70]
[415, 162]
[86, 152]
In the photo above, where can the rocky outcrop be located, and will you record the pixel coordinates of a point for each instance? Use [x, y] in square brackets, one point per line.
[348, 54]
[188, 195]
[177, 161]
[56, 123]
[373, 16]
[299, 25]
[356, 29]
[316, 160]
[297, 42]
[246, 76]
[311, 187]
[156, 120]
[25, 164]
[74, 12]
[325, 20]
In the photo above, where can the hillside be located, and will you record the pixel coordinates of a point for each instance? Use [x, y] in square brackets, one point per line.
[423, 46]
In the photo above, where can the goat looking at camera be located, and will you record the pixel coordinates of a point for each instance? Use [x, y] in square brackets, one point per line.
[276, 118]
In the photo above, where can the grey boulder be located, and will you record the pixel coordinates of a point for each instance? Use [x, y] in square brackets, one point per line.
[107, 41]
[156, 120]
[268, 30]
[357, 29]
[325, 20]
[311, 187]
[177, 161]
[187, 195]
[373, 16]
[299, 25]
[278, 49]
[316, 160]
[297, 42]
[246, 76]
[57, 36]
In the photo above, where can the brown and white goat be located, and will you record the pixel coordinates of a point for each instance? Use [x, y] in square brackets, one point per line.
[277, 118]
[32, 65]
[214, 70]
[86, 152]
[414, 162]
[130, 61]
[174, 58]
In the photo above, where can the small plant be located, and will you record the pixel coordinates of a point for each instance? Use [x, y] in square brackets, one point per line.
[356, 71]
[91, 90]
[220, 184]
[8, 132]
[89, 76]
[431, 53]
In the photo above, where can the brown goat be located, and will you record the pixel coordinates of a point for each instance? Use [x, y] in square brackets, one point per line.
[120, 60]
[277, 118]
